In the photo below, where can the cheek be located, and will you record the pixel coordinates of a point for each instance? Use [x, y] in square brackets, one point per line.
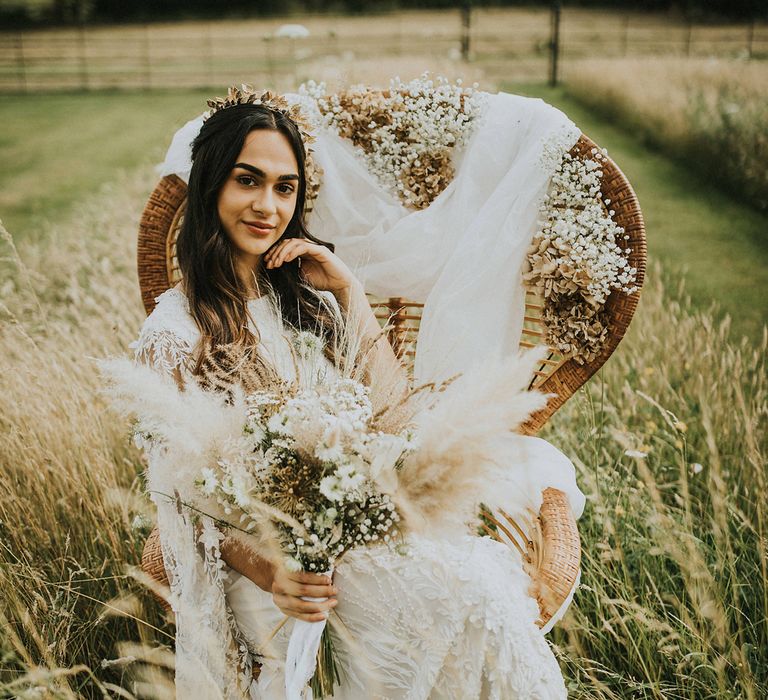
[287, 209]
[224, 203]
[230, 205]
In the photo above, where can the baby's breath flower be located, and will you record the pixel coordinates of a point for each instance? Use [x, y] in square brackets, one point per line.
[406, 136]
[574, 261]
[292, 564]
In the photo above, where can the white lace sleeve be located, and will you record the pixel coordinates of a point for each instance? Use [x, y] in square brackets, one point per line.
[212, 660]
[169, 335]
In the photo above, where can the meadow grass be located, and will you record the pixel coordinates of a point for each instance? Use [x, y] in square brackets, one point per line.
[710, 113]
[699, 232]
[674, 596]
[69, 524]
[670, 443]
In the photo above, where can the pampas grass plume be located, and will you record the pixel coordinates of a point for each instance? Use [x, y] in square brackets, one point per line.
[461, 437]
[190, 424]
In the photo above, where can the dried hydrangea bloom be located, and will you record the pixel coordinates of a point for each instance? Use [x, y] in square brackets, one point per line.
[575, 328]
[407, 133]
[574, 259]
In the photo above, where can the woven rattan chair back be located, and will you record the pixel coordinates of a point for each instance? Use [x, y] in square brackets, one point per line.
[551, 543]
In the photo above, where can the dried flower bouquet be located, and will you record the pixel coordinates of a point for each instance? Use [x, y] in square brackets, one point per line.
[307, 470]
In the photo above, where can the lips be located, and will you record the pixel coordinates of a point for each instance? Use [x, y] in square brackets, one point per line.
[259, 227]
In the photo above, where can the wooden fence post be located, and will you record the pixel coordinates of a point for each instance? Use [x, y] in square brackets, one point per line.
[146, 58]
[554, 43]
[21, 64]
[750, 38]
[83, 59]
[270, 61]
[688, 37]
[466, 20]
[209, 52]
[625, 37]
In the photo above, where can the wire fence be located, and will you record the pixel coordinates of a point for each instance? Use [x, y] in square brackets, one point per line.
[510, 44]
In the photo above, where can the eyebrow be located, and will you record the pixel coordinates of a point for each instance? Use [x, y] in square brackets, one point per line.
[261, 173]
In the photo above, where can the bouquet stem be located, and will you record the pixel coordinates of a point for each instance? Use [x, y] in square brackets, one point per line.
[326, 675]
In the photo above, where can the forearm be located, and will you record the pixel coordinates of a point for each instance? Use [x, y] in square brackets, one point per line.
[381, 360]
[352, 300]
[245, 561]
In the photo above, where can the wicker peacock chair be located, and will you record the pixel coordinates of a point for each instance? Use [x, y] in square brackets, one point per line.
[551, 546]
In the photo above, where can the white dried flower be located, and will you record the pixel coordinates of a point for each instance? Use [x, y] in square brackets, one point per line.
[407, 137]
[574, 261]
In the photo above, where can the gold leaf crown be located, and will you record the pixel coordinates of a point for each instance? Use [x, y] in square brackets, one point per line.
[246, 95]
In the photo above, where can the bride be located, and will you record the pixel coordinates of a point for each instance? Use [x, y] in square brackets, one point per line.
[450, 618]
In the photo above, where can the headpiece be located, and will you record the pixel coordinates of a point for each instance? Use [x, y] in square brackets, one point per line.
[246, 95]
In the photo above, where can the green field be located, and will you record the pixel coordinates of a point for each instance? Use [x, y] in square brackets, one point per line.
[58, 149]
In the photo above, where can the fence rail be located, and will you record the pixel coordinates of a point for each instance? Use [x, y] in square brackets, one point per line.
[206, 54]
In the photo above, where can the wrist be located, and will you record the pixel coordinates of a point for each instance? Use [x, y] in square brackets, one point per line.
[344, 295]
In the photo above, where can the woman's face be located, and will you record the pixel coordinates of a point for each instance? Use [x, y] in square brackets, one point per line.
[257, 201]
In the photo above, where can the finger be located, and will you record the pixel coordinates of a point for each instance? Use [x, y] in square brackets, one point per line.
[291, 250]
[317, 587]
[275, 249]
[304, 607]
[302, 589]
[309, 617]
[312, 618]
[310, 578]
[310, 607]
[277, 257]
[302, 583]
[294, 247]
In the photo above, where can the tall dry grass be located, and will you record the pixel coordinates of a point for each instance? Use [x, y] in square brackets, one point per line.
[713, 113]
[674, 600]
[70, 478]
[674, 597]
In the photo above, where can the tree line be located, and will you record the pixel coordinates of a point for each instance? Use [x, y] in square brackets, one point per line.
[71, 12]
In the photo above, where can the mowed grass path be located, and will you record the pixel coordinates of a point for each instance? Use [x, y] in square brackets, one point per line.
[718, 245]
[55, 149]
[58, 148]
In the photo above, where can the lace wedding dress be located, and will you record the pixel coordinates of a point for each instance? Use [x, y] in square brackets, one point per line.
[442, 618]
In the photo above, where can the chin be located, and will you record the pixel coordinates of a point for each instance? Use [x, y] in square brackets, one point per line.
[253, 247]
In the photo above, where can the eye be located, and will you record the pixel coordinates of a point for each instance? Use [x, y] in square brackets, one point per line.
[285, 188]
[246, 180]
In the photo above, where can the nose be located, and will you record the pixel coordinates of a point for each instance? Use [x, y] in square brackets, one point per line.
[264, 202]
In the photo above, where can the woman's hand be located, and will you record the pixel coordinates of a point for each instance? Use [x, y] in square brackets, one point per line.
[319, 266]
[288, 587]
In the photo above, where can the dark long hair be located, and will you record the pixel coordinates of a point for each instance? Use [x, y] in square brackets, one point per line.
[217, 296]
